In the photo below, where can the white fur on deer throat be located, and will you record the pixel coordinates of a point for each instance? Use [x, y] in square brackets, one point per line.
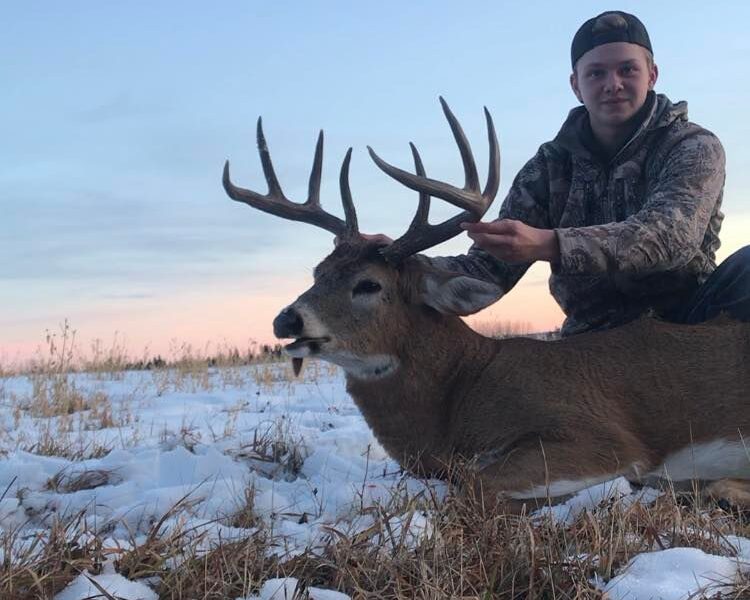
[367, 368]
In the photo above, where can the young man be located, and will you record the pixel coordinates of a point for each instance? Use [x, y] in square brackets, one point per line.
[624, 203]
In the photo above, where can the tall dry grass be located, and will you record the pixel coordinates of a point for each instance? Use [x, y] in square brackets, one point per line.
[61, 352]
[471, 551]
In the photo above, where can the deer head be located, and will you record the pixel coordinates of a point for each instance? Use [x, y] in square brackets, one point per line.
[366, 294]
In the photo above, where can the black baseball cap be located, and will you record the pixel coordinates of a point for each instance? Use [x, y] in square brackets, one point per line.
[608, 27]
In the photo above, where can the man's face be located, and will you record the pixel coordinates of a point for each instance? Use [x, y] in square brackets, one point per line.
[612, 81]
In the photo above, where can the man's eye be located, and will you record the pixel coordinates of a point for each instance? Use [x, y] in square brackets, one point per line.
[366, 287]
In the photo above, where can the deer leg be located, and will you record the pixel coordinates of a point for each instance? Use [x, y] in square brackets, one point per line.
[734, 491]
[534, 474]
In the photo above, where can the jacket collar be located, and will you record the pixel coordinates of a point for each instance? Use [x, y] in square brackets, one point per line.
[576, 136]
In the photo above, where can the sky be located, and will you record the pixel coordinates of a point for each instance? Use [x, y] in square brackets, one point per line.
[116, 119]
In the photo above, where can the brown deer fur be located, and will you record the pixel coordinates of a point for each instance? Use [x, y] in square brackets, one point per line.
[530, 414]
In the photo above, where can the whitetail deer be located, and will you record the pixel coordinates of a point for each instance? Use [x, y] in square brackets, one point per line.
[536, 419]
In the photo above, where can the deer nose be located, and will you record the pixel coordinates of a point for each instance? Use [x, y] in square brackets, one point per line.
[287, 324]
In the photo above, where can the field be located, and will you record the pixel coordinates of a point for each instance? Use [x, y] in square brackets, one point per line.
[226, 477]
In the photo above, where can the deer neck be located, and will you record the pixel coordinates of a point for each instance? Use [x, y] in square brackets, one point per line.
[408, 407]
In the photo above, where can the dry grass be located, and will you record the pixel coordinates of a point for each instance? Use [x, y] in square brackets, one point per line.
[60, 353]
[49, 442]
[473, 551]
[65, 482]
[275, 450]
[161, 547]
[469, 550]
[39, 568]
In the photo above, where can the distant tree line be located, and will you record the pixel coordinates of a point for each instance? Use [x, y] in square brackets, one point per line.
[227, 358]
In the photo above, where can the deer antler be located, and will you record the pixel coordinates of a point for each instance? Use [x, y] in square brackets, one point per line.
[310, 211]
[421, 235]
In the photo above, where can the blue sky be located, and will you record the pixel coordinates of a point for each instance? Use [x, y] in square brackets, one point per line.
[116, 119]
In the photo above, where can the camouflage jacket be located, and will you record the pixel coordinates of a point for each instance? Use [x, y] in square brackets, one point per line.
[637, 233]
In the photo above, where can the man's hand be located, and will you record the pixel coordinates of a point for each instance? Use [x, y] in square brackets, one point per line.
[514, 241]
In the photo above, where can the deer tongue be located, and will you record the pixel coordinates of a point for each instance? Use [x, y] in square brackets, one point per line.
[297, 366]
[305, 346]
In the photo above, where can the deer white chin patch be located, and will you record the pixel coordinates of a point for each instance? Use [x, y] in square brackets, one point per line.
[375, 366]
[298, 352]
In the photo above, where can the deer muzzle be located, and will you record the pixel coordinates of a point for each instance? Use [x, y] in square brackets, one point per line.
[288, 324]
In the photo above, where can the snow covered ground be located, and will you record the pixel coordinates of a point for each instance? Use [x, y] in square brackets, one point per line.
[207, 442]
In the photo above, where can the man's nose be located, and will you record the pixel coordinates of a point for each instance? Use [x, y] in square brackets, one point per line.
[613, 82]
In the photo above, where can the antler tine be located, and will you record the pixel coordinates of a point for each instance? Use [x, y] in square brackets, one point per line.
[421, 235]
[313, 188]
[275, 203]
[470, 167]
[423, 209]
[352, 228]
[493, 175]
[418, 233]
[456, 196]
[468, 198]
[274, 189]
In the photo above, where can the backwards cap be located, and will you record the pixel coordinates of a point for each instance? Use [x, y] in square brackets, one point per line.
[608, 27]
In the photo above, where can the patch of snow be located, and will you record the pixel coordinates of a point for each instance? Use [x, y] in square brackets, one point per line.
[673, 574]
[283, 588]
[407, 531]
[116, 585]
[320, 594]
[287, 588]
[589, 499]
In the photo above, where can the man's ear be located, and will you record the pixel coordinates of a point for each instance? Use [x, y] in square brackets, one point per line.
[574, 86]
[451, 293]
[653, 76]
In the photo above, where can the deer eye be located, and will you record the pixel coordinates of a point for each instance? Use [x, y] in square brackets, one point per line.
[366, 287]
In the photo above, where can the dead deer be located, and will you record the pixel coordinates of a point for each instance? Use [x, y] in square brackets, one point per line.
[536, 419]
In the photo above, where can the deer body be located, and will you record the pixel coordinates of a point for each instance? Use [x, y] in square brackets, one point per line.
[502, 402]
[534, 419]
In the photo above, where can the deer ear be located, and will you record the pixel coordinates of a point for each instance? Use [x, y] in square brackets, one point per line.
[452, 293]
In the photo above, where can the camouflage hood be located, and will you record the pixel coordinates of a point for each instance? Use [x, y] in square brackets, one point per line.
[576, 137]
